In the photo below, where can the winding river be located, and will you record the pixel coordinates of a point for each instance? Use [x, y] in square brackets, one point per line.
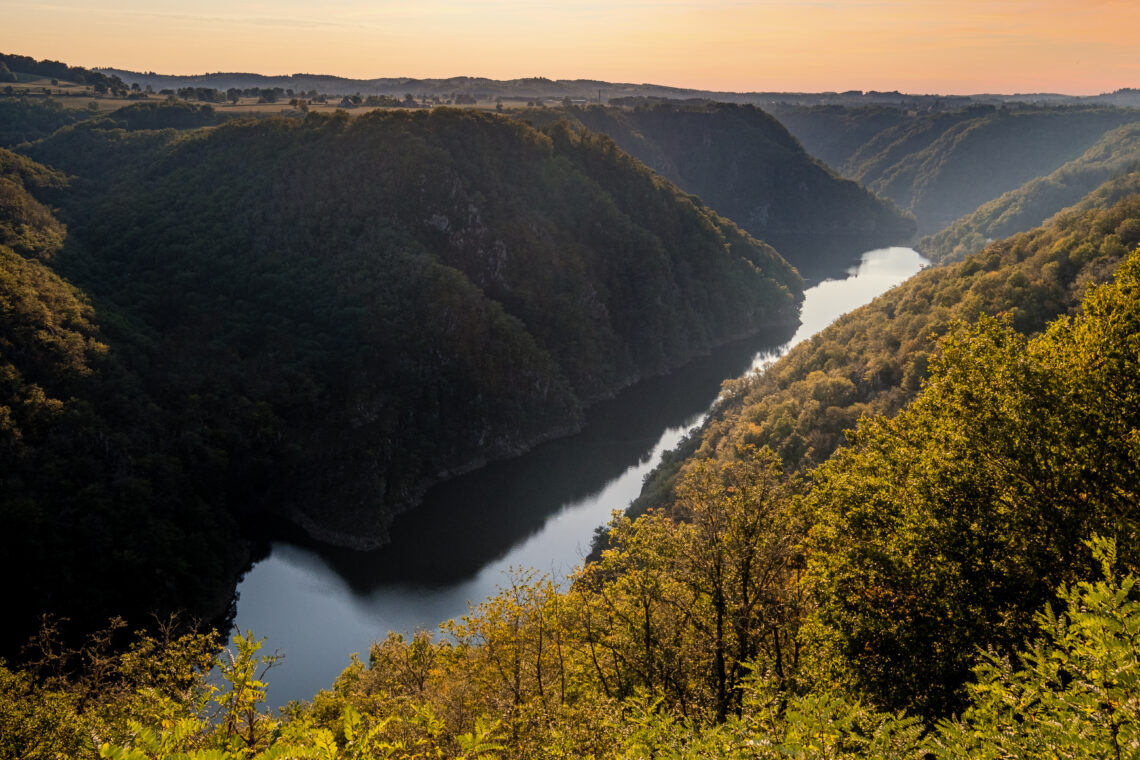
[316, 604]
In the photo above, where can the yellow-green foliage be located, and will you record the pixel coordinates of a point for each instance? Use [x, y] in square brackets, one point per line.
[1073, 693]
[762, 615]
[873, 360]
[26, 225]
[680, 606]
[941, 530]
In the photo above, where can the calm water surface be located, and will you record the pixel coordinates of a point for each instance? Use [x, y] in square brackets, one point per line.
[316, 604]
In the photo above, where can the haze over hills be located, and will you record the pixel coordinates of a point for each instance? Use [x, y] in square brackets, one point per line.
[943, 165]
[1115, 155]
[745, 164]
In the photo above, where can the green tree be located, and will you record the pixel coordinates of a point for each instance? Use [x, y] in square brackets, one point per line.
[683, 605]
[943, 529]
[1075, 693]
[737, 555]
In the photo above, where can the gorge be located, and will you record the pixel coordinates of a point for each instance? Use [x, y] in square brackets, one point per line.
[317, 604]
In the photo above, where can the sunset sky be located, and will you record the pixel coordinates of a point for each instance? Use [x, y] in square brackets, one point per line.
[947, 46]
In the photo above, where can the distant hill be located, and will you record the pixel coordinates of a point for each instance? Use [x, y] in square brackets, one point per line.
[24, 119]
[834, 133]
[945, 166]
[22, 64]
[1115, 154]
[941, 164]
[746, 165]
[588, 90]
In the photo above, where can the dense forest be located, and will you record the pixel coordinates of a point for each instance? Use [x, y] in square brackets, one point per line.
[1116, 155]
[944, 164]
[874, 359]
[763, 616]
[913, 536]
[321, 317]
[25, 120]
[834, 133]
[298, 257]
[81, 521]
[746, 165]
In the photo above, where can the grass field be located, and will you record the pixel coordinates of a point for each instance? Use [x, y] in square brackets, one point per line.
[73, 95]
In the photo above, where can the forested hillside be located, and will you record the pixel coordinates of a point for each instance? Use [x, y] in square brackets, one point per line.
[873, 360]
[744, 164]
[29, 119]
[945, 164]
[320, 318]
[450, 286]
[942, 168]
[1117, 154]
[913, 536]
[23, 120]
[101, 509]
[943, 530]
[943, 587]
[834, 133]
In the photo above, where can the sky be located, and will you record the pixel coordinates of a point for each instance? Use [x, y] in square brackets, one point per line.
[919, 46]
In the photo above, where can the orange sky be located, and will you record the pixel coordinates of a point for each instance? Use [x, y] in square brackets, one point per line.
[949, 46]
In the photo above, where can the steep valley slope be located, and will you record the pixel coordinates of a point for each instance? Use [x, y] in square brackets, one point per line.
[874, 360]
[743, 163]
[318, 318]
[945, 163]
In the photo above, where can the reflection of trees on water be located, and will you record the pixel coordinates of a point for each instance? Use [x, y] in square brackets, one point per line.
[467, 522]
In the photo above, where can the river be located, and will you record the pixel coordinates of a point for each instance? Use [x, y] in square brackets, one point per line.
[316, 604]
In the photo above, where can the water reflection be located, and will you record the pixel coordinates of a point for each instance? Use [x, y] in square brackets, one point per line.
[824, 257]
[467, 522]
[318, 604]
[874, 273]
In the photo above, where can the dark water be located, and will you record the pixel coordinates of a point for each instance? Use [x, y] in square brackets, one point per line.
[316, 604]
